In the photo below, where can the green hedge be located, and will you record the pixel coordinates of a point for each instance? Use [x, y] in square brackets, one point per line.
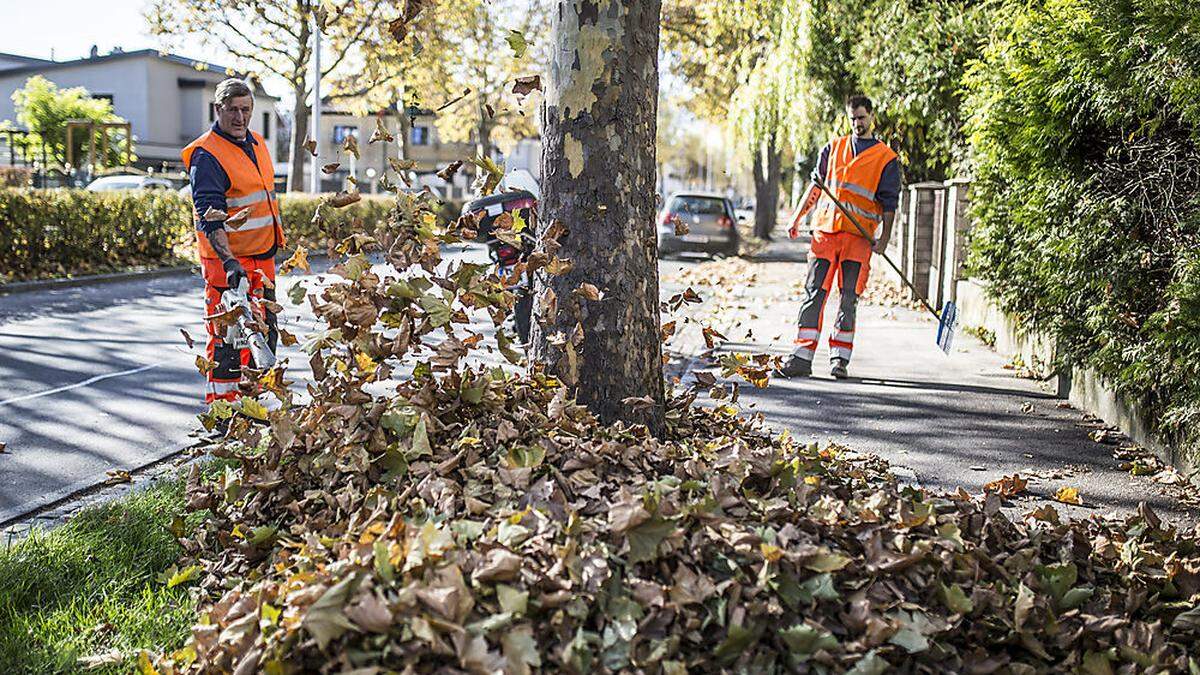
[54, 233]
[1085, 133]
[60, 233]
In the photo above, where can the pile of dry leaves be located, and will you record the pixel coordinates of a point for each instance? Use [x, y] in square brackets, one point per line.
[478, 521]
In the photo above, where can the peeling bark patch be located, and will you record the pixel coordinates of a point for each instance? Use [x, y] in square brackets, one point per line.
[578, 96]
[573, 149]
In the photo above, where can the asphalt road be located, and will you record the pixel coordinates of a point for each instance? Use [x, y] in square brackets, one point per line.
[99, 378]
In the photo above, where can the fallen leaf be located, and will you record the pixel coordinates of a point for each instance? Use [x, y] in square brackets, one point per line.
[1008, 486]
[522, 86]
[1068, 495]
[516, 42]
[381, 133]
[343, 198]
[238, 219]
[330, 168]
[298, 260]
[310, 145]
[96, 661]
[447, 173]
[187, 338]
[350, 145]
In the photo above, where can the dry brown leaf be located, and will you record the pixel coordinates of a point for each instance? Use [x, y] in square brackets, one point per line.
[522, 86]
[447, 173]
[343, 198]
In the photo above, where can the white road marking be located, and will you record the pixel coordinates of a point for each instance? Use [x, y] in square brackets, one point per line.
[91, 380]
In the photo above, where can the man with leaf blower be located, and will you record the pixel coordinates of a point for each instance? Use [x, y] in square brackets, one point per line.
[238, 231]
[864, 175]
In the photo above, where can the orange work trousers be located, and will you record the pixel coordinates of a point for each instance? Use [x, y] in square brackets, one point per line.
[848, 257]
[224, 379]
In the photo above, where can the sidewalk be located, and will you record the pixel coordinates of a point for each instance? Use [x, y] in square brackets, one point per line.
[943, 421]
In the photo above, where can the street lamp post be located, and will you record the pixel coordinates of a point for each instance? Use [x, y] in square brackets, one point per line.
[315, 184]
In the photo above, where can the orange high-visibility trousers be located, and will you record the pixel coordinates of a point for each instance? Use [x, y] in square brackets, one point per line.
[848, 256]
[224, 379]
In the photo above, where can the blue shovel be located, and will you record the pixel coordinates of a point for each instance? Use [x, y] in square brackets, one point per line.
[947, 318]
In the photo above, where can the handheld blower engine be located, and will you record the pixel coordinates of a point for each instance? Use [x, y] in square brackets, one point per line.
[243, 331]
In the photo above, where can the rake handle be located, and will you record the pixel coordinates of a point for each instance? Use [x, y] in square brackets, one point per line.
[821, 184]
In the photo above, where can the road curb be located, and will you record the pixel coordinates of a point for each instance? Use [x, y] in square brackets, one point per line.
[16, 287]
[91, 279]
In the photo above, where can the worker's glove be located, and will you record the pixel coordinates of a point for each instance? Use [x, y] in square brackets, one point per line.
[234, 273]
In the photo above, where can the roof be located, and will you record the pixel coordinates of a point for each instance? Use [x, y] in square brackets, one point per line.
[41, 65]
[22, 58]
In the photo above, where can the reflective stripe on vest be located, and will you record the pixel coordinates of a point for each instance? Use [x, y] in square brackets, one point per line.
[250, 190]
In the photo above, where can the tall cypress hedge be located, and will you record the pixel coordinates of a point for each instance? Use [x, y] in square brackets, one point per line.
[1085, 138]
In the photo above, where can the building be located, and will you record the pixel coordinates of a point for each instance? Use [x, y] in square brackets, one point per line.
[166, 98]
[425, 147]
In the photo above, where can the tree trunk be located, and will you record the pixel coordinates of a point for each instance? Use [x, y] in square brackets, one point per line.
[299, 132]
[766, 187]
[598, 168]
[483, 146]
[405, 133]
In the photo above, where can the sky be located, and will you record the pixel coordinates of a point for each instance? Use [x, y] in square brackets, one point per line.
[67, 29]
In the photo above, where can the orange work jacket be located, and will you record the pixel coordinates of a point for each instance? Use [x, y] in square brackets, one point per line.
[854, 179]
[249, 188]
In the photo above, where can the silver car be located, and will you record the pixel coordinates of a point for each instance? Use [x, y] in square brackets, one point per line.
[128, 182]
[695, 222]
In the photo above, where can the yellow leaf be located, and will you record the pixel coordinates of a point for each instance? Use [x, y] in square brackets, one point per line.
[252, 408]
[365, 363]
[145, 666]
[270, 613]
[1068, 495]
[771, 552]
[299, 260]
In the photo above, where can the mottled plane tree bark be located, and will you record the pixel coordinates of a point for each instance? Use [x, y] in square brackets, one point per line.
[598, 169]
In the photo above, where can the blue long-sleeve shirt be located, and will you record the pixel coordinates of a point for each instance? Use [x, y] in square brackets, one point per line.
[210, 182]
[888, 192]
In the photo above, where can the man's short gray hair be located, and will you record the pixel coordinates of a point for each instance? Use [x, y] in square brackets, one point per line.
[230, 89]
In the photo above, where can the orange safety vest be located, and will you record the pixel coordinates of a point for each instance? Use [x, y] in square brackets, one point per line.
[854, 179]
[249, 188]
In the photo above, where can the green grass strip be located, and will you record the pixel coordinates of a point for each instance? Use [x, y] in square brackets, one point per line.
[92, 585]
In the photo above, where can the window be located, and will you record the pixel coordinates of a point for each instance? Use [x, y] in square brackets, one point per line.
[341, 131]
[701, 206]
[420, 135]
[105, 97]
[266, 126]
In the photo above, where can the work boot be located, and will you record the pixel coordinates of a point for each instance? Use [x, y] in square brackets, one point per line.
[838, 369]
[794, 366]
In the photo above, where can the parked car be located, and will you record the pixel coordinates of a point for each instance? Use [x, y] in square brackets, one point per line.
[705, 224]
[128, 182]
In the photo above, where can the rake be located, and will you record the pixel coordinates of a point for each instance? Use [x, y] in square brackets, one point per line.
[947, 318]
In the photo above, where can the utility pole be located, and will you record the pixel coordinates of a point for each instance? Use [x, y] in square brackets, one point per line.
[315, 184]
